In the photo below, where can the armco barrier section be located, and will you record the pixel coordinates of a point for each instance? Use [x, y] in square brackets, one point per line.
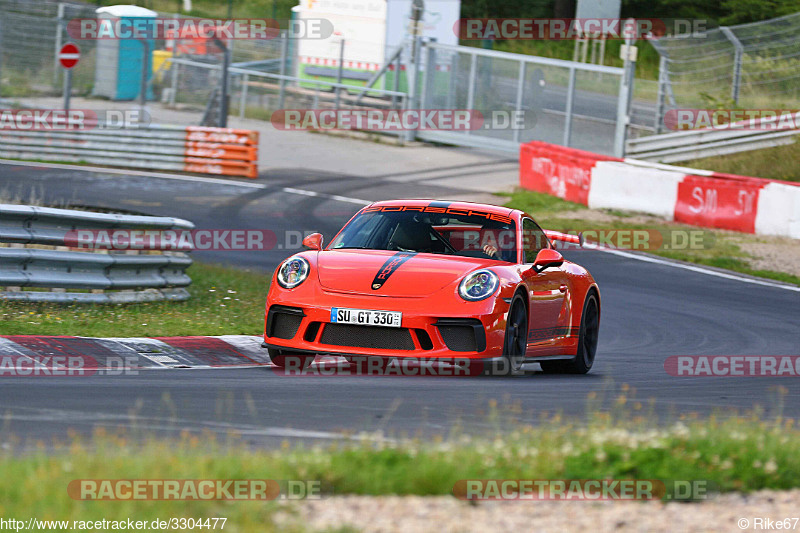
[219, 151]
[695, 144]
[691, 196]
[27, 263]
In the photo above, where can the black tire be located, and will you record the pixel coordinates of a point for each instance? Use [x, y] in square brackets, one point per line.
[516, 339]
[587, 342]
[283, 359]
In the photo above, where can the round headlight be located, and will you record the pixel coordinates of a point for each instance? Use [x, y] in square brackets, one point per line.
[478, 285]
[292, 272]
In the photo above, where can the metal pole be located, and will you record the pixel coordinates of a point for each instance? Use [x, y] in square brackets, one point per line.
[624, 100]
[226, 63]
[661, 96]
[284, 54]
[471, 84]
[520, 89]
[737, 62]
[339, 71]
[174, 66]
[430, 69]
[397, 66]
[59, 28]
[67, 88]
[452, 81]
[143, 85]
[413, 78]
[243, 101]
[1, 58]
[570, 99]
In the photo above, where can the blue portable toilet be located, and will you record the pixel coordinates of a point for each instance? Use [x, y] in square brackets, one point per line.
[119, 63]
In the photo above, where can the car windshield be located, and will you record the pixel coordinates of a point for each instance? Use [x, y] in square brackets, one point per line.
[471, 234]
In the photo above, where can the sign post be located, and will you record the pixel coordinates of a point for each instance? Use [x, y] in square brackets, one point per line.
[68, 56]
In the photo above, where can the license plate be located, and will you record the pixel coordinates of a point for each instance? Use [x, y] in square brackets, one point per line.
[366, 317]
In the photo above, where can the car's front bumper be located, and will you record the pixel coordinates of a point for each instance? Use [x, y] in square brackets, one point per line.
[459, 330]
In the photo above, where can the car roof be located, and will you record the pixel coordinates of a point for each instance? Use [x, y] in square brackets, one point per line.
[489, 208]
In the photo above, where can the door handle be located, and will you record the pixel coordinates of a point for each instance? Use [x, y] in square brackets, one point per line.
[563, 288]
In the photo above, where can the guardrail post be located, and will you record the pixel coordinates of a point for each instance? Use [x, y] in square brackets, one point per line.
[570, 99]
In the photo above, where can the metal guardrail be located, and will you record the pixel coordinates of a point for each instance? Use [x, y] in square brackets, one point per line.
[27, 263]
[224, 151]
[696, 144]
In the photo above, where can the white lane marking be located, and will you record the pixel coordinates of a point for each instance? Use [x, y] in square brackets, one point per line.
[323, 195]
[197, 179]
[698, 269]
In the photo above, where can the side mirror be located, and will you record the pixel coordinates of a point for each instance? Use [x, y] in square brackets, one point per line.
[313, 241]
[546, 258]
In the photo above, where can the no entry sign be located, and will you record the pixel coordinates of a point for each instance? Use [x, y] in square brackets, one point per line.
[69, 55]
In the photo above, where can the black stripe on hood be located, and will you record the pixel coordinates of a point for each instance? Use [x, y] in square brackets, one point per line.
[389, 268]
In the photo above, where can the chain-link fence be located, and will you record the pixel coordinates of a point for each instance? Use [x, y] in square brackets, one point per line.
[31, 33]
[753, 65]
[561, 102]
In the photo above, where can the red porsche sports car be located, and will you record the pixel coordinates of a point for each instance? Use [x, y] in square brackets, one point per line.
[426, 279]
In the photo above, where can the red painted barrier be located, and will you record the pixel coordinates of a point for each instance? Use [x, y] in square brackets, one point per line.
[558, 170]
[719, 201]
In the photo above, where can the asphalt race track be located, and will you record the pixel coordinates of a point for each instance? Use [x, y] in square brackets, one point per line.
[650, 310]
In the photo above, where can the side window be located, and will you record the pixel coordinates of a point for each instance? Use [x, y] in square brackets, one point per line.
[533, 240]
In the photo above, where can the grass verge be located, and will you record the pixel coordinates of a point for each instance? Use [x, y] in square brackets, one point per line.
[224, 301]
[733, 454]
[778, 163]
[720, 249]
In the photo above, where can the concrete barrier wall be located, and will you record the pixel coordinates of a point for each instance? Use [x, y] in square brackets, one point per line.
[692, 196]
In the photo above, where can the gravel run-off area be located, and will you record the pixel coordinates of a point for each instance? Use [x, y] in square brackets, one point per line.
[396, 514]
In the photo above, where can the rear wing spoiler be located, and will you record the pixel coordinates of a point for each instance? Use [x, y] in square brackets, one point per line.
[565, 237]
